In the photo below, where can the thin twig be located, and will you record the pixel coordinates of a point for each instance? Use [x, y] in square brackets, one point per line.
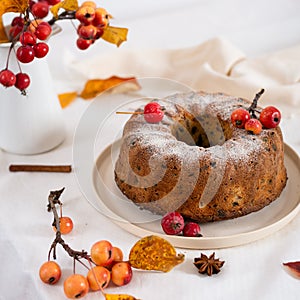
[66, 15]
[252, 108]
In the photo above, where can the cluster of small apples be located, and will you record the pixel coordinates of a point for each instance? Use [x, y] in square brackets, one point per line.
[31, 30]
[31, 38]
[31, 34]
[109, 267]
[93, 20]
[269, 117]
[173, 223]
[106, 265]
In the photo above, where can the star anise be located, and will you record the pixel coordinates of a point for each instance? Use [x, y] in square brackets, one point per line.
[208, 265]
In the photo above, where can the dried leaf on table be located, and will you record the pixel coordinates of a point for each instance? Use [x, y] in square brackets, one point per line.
[115, 35]
[10, 6]
[67, 98]
[65, 4]
[293, 268]
[119, 297]
[94, 87]
[154, 253]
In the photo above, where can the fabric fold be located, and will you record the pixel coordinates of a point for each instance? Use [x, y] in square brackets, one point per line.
[213, 66]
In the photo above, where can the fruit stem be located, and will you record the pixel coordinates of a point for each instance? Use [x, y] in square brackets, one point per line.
[9, 52]
[66, 15]
[252, 108]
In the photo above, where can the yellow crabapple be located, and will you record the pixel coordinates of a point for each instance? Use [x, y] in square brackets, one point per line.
[98, 278]
[101, 253]
[76, 286]
[50, 272]
[121, 273]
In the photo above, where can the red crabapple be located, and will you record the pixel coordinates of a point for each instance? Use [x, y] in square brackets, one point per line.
[101, 18]
[40, 9]
[7, 78]
[40, 50]
[22, 81]
[83, 44]
[172, 223]
[27, 38]
[239, 117]
[270, 117]
[253, 126]
[25, 54]
[87, 31]
[17, 21]
[85, 14]
[191, 229]
[153, 112]
[14, 31]
[43, 31]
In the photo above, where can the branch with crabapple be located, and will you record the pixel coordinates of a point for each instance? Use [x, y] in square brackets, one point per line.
[29, 31]
[104, 263]
[269, 117]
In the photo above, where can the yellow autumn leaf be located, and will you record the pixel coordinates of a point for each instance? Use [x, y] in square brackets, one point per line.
[154, 253]
[94, 87]
[65, 4]
[115, 35]
[66, 98]
[10, 6]
[119, 297]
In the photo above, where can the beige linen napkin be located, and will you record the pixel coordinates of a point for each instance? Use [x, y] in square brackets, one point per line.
[214, 66]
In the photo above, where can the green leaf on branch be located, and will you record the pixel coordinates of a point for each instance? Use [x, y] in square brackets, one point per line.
[10, 6]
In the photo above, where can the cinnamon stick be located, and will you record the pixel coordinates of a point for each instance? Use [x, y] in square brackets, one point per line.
[40, 168]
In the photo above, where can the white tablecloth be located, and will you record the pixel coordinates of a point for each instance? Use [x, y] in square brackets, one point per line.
[253, 270]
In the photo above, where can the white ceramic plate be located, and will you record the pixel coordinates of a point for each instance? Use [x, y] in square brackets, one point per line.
[221, 234]
[95, 149]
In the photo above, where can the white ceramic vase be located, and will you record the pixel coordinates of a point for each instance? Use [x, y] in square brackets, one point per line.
[33, 123]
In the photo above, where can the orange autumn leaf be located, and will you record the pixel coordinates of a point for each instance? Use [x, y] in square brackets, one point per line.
[10, 6]
[65, 4]
[154, 253]
[67, 98]
[94, 87]
[115, 35]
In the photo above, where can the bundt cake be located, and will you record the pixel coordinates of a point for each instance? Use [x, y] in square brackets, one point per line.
[196, 162]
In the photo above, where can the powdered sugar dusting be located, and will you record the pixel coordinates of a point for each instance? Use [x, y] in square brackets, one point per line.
[161, 140]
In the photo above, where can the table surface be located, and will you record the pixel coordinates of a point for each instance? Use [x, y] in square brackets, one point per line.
[251, 270]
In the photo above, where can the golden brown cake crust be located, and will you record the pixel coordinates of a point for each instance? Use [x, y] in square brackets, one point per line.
[197, 163]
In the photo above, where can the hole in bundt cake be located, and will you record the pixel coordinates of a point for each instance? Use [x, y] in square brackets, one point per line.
[203, 131]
